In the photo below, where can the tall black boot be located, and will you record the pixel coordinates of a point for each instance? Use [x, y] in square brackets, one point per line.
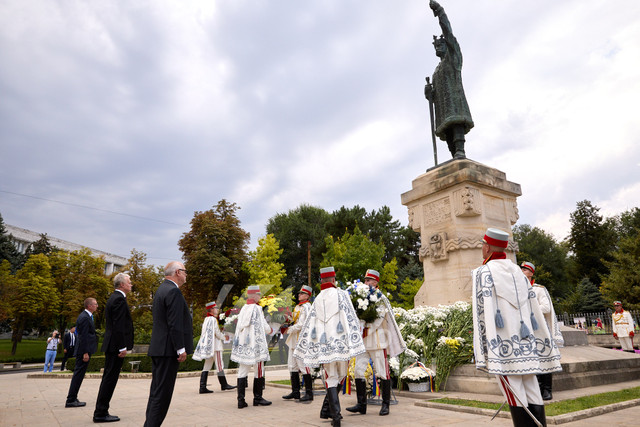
[334, 406]
[520, 418]
[325, 412]
[203, 383]
[258, 387]
[242, 386]
[361, 393]
[295, 387]
[224, 385]
[548, 385]
[308, 388]
[538, 412]
[385, 385]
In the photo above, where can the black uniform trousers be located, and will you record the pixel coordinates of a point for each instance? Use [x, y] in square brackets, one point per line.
[66, 356]
[164, 371]
[112, 367]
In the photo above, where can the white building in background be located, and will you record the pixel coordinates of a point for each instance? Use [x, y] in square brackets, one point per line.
[22, 238]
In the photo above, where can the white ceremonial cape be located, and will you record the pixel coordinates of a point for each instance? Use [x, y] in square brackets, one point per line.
[300, 314]
[211, 339]
[500, 285]
[394, 337]
[331, 332]
[542, 294]
[383, 333]
[250, 343]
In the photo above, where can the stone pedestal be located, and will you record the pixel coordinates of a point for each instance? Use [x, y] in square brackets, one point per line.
[451, 206]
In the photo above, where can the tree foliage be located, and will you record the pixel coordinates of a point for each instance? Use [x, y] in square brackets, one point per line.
[623, 281]
[263, 266]
[215, 250]
[591, 241]
[79, 275]
[8, 250]
[299, 232]
[549, 257]
[584, 299]
[33, 296]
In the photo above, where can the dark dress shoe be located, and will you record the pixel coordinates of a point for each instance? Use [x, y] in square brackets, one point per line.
[75, 404]
[106, 419]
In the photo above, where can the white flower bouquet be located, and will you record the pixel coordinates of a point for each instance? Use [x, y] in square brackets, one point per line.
[366, 300]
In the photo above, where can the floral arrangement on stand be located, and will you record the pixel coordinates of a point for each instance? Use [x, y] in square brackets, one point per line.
[366, 300]
[418, 377]
[435, 336]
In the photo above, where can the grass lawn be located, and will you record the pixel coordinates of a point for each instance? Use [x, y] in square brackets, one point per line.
[28, 351]
[562, 407]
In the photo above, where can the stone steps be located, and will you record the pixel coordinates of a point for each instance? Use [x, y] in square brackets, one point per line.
[582, 366]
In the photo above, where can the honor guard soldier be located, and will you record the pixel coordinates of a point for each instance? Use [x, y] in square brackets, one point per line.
[295, 365]
[623, 327]
[510, 339]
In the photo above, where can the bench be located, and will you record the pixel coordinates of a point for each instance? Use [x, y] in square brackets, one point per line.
[14, 364]
[134, 366]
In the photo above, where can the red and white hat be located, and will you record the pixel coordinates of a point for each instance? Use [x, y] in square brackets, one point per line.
[253, 289]
[372, 274]
[496, 237]
[528, 266]
[306, 289]
[327, 272]
[211, 304]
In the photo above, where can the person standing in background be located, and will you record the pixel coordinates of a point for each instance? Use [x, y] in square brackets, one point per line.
[52, 351]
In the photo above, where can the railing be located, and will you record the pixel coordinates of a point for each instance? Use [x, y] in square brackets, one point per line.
[590, 322]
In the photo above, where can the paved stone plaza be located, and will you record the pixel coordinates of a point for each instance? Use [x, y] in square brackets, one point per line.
[40, 402]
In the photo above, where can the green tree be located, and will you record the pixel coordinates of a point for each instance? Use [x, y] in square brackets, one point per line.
[33, 296]
[8, 250]
[145, 279]
[353, 254]
[40, 246]
[79, 275]
[591, 241]
[407, 291]
[263, 266]
[300, 232]
[214, 251]
[586, 298]
[623, 281]
[549, 257]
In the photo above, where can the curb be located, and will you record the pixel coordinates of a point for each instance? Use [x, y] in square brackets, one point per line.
[558, 419]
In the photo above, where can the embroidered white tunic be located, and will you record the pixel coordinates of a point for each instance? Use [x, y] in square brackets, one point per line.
[300, 313]
[250, 343]
[500, 285]
[546, 306]
[331, 332]
[211, 339]
[622, 323]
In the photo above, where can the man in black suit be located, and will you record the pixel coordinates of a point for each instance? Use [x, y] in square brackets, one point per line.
[118, 337]
[69, 345]
[87, 345]
[171, 341]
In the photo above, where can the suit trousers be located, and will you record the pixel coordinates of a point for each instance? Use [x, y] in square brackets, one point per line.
[66, 356]
[163, 380]
[77, 378]
[112, 367]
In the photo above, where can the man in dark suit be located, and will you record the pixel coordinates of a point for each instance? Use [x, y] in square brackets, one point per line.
[171, 341]
[87, 345]
[118, 337]
[69, 346]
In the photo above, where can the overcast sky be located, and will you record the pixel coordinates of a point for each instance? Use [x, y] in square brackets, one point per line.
[157, 109]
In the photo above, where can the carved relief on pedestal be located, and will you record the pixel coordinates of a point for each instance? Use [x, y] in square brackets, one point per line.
[466, 202]
[436, 212]
[464, 242]
[437, 248]
[514, 215]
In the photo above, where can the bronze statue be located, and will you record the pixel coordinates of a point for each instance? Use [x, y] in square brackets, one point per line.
[445, 92]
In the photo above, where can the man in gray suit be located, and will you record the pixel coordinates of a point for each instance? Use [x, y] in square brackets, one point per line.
[171, 341]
